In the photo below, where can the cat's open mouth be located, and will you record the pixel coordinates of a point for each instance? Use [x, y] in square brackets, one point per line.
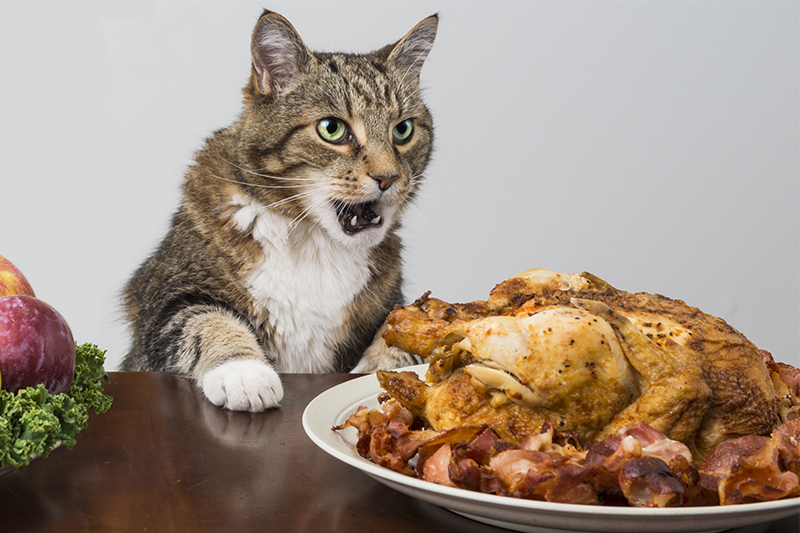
[357, 217]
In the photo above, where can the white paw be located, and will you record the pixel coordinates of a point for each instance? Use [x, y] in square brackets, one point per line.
[379, 356]
[243, 386]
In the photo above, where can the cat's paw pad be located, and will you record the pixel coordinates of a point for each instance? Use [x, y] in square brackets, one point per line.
[243, 386]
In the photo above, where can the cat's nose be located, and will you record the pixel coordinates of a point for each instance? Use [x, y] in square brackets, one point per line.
[384, 182]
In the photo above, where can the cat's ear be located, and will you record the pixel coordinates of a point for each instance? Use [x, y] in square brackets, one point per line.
[278, 54]
[411, 51]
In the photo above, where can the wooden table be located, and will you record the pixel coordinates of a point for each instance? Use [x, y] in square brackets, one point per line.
[164, 459]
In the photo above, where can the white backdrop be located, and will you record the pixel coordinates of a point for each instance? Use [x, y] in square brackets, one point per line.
[654, 144]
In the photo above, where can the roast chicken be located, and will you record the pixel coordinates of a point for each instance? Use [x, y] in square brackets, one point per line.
[572, 351]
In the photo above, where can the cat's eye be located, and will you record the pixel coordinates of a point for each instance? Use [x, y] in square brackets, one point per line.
[402, 132]
[333, 130]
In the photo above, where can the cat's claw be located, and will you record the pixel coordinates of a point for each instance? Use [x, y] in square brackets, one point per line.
[243, 386]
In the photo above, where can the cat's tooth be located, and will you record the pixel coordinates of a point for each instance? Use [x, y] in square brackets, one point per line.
[376, 220]
[354, 221]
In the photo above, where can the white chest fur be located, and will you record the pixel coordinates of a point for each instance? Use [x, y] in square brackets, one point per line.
[304, 281]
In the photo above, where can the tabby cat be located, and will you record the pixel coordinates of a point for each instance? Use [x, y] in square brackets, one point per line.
[284, 255]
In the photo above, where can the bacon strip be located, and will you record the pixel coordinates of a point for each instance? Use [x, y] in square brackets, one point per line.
[638, 466]
[788, 437]
[754, 468]
[648, 482]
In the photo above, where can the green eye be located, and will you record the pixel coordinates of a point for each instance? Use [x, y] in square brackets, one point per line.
[402, 132]
[332, 130]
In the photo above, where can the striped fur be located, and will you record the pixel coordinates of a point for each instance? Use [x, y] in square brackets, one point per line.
[284, 255]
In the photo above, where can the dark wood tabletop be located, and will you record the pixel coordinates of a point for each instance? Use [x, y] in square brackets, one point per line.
[164, 459]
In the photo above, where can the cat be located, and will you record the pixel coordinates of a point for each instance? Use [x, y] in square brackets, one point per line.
[284, 254]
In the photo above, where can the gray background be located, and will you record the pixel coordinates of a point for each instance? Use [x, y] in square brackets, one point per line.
[654, 144]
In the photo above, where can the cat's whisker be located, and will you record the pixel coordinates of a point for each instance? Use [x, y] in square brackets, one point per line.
[286, 179]
[339, 208]
[258, 185]
[308, 162]
[239, 167]
[296, 221]
[260, 175]
[288, 199]
[305, 210]
[428, 218]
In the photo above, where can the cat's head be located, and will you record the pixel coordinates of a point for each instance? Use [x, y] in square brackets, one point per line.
[338, 140]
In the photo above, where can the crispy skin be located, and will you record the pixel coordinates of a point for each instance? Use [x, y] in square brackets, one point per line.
[459, 401]
[691, 375]
[420, 328]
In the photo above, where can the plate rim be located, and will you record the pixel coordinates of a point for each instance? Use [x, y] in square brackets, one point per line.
[345, 397]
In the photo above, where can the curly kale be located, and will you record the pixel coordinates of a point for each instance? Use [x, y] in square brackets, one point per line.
[33, 421]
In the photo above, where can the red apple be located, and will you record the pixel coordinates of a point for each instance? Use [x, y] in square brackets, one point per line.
[36, 345]
[11, 280]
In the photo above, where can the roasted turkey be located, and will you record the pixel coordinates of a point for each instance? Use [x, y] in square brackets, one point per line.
[587, 358]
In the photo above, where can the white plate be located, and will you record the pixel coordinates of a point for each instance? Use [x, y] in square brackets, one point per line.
[335, 405]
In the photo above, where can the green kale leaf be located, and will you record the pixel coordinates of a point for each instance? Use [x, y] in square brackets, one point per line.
[33, 421]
